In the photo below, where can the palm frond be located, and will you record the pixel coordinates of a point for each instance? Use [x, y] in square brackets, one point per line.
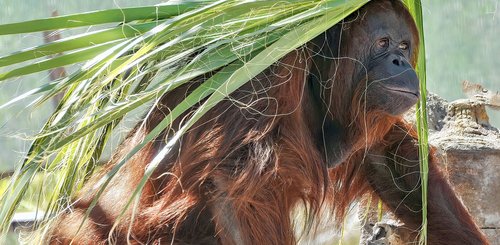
[151, 51]
[415, 8]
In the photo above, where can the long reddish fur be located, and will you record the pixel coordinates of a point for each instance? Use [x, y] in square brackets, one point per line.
[237, 175]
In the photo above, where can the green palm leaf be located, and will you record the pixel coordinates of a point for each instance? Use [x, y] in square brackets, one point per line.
[415, 8]
[151, 51]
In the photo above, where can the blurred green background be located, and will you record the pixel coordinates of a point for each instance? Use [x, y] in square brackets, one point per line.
[462, 38]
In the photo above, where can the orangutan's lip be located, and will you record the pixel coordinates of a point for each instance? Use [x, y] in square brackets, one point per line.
[403, 91]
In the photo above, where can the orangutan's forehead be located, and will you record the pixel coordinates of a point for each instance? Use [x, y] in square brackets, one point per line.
[383, 21]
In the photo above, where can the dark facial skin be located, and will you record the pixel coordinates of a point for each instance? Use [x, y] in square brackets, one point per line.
[390, 47]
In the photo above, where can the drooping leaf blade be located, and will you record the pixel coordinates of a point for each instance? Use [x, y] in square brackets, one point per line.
[124, 15]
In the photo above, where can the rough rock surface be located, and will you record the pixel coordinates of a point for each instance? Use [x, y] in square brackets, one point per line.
[469, 150]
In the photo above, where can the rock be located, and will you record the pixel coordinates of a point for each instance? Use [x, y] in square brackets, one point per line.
[436, 110]
[387, 231]
[468, 148]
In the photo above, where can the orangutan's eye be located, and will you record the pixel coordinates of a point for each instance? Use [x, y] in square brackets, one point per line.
[403, 46]
[383, 43]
